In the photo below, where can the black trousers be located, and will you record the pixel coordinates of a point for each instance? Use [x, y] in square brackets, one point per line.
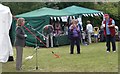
[74, 41]
[109, 39]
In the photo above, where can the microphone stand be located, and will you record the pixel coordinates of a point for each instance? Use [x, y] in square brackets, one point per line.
[36, 46]
[36, 50]
[56, 55]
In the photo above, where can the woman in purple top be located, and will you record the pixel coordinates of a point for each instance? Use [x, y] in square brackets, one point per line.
[74, 36]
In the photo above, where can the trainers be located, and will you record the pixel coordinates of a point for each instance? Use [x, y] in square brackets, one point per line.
[108, 51]
[114, 51]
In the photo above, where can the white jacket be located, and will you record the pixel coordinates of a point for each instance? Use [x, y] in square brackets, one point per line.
[89, 28]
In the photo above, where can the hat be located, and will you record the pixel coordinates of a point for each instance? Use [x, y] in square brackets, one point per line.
[106, 15]
[88, 21]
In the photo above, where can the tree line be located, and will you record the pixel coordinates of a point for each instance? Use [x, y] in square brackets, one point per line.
[111, 8]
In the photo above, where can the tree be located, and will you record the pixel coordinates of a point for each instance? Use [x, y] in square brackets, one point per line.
[22, 7]
[107, 7]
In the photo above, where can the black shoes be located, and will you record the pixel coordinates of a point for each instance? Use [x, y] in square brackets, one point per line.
[10, 58]
[71, 53]
[77, 53]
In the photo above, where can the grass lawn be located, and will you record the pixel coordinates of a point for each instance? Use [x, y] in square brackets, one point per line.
[93, 58]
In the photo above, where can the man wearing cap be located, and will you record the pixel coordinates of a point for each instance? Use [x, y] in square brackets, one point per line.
[89, 29]
[109, 32]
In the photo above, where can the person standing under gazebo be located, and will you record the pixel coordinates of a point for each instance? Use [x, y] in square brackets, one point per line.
[89, 29]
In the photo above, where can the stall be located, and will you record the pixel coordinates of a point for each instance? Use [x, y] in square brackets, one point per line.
[37, 19]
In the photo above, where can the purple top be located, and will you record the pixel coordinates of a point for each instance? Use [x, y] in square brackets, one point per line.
[75, 31]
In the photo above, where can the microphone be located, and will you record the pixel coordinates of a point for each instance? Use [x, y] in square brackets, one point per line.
[35, 30]
[42, 35]
[28, 24]
[31, 26]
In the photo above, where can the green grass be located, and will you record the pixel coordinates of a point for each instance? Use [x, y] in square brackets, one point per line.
[93, 58]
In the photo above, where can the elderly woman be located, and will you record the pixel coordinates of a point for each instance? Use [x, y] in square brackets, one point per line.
[74, 32]
[19, 42]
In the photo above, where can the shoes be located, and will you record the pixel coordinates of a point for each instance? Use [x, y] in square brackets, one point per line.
[10, 59]
[78, 53]
[71, 53]
[18, 69]
[109, 51]
[114, 51]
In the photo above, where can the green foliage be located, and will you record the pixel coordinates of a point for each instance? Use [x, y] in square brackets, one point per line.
[110, 7]
[22, 7]
[87, 4]
[60, 5]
